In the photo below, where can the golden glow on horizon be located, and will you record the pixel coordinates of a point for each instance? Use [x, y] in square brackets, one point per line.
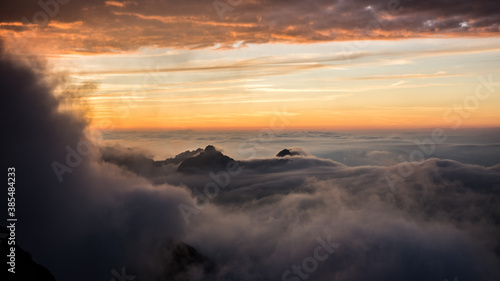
[363, 118]
[387, 84]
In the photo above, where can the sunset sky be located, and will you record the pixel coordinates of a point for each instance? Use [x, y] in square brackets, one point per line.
[235, 64]
[256, 140]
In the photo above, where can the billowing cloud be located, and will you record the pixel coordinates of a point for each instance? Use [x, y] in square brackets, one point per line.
[101, 26]
[72, 209]
[275, 208]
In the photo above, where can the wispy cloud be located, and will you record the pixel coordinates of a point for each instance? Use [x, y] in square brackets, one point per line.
[127, 25]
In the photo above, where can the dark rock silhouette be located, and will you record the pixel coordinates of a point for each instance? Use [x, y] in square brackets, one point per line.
[181, 157]
[182, 262]
[173, 260]
[208, 160]
[26, 269]
[289, 152]
[283, 153]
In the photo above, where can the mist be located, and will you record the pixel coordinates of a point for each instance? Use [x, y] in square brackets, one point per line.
[89, 209]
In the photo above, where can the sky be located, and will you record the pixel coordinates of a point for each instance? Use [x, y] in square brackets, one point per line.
[229, 65]
[94, 211]
[251, 140]
[352, 148]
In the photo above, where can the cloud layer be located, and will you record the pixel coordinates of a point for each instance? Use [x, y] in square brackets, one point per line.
[95, 216]
[118, 208]
[102, 26]
[440, 222]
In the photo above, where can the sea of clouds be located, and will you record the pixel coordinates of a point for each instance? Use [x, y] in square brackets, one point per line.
[88, 210]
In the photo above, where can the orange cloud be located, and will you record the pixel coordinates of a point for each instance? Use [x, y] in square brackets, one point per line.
[110, 26]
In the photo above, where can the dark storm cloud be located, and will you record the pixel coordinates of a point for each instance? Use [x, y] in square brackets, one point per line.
[128, 25]
[119, 208]
[98, 218]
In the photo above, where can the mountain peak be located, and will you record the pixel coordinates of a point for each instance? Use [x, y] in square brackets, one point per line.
[209, 159]
[291, 152]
